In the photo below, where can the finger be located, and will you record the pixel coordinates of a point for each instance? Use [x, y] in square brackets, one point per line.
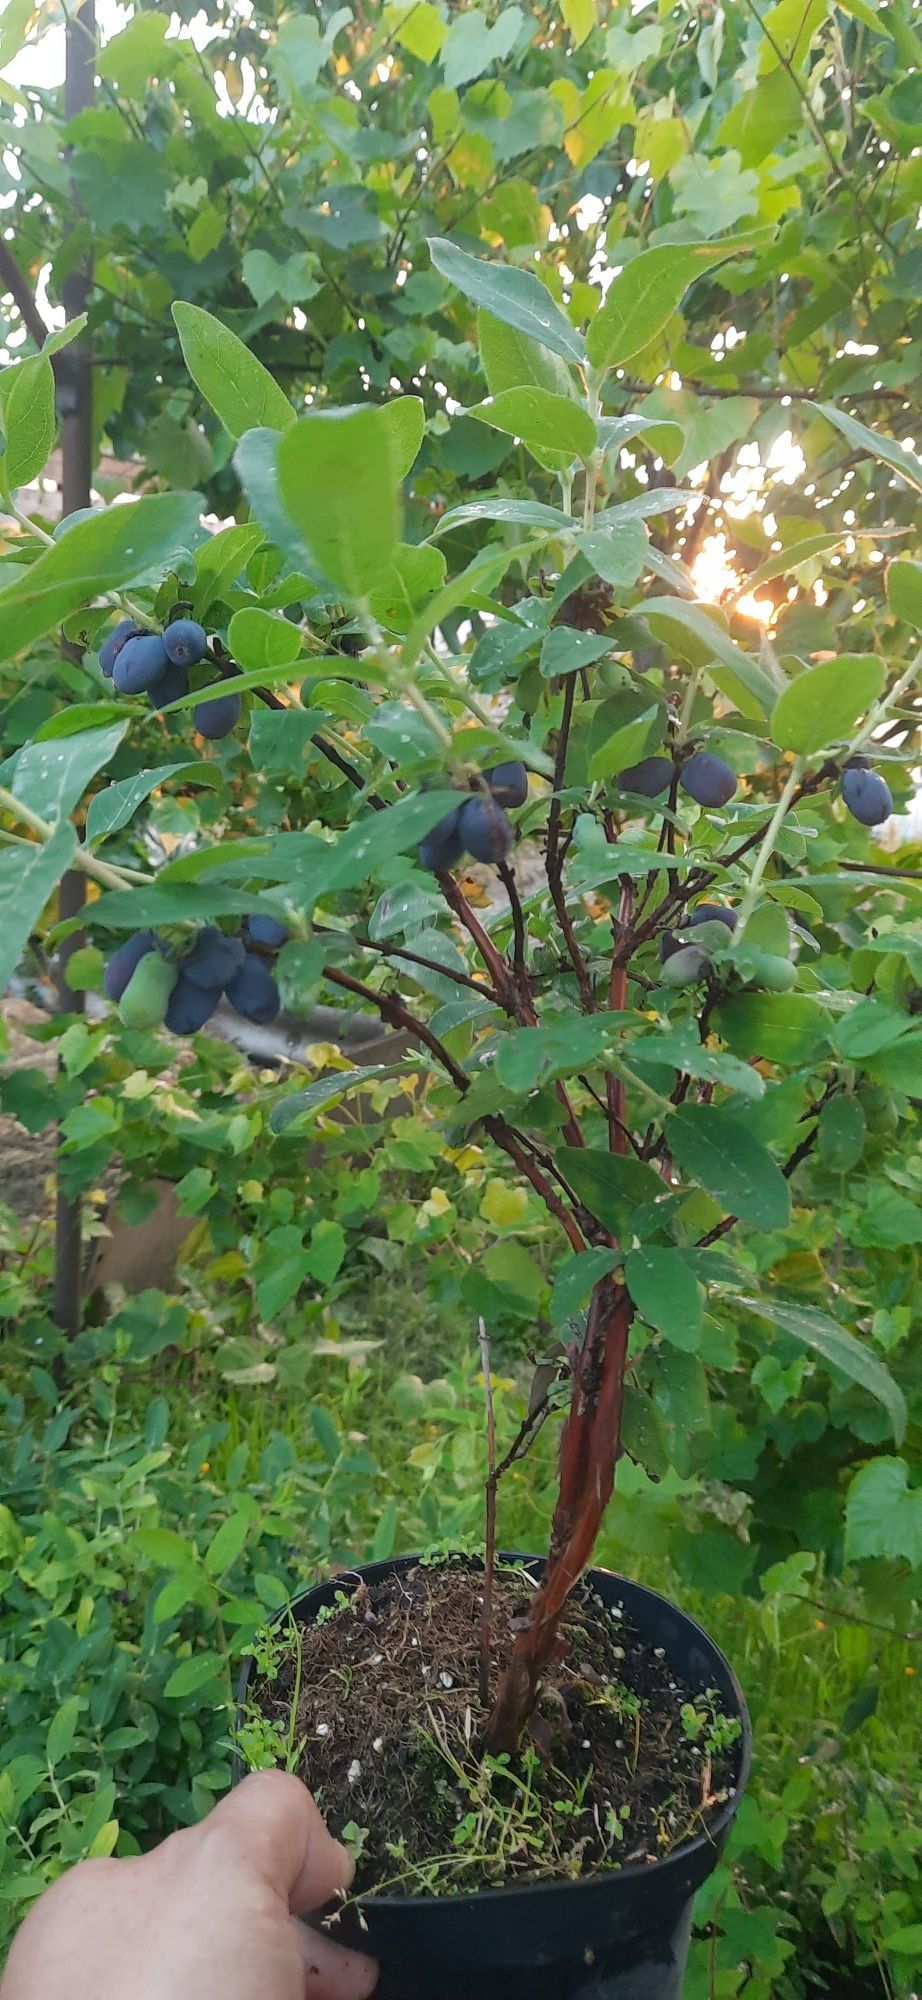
[270, 1828]
[330, 1971]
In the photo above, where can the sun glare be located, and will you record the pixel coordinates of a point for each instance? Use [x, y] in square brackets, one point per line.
[715, 580]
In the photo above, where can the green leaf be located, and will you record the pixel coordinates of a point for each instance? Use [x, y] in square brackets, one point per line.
[907, 1939]
[826, 1338]
[823, 703]
[193, 1674]
[50, 776]
[29, 877]
[226, 1545]
[164, 1547]
[682, 1049]
[788, 560]
[904, 590]
[220, 560]
[339, 478]
[701, 640]
[643, 1432]
[842, 1133]
[643, 297]
[101, 552]
[516, 297]
[256, 465]
[303, 1105]
[29, 421]
[513, 360]
[527, 1057]
[666, 1294]
[778, 1027]
[609, 1186]
[114, 807]
[618, 554]
[862, 439]
[472, 44]
[575, 1280]
[565, 650]
[542, 418]
[385, 1534]
[899, 1066]
[418, 26]
[240, 390]
[62, 1729]
[716, 1148]
[621, 732]
[521, 513]
[869, 1025]
[260, 639]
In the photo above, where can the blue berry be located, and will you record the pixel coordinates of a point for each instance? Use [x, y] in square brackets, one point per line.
[253, 992]
[508, 783]
[140, 663]
[484, 830]
[216, 717]
[266, 931]
[866, 794]
[440, 848]
[185, 642]
[112, 645]
[125, 961]
[650, 778]
[213, 960]
[708, 779]
[190, 1006]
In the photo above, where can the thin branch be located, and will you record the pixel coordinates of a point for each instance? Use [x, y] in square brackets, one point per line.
[13, 281]
[555, 854]
[388, 950]
[393, 1010]
[505, 1137]
[489, 1567]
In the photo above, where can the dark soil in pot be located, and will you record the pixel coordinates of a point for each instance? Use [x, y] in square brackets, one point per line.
[375, 1703]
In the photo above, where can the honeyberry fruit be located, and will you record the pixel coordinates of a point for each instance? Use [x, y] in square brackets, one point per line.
[185, 642]
[484, 830]
[217, 717]
[769, 969]
[866, 794]
[712, 913]
[685, 966]
[440, 848]
[266, 931]
[707, 779]
[650, 778]
[213, 960]
[253, 992]
[190, 1006]
[146, 997]
[112, 645]
[140, 663]
[508, 783]
[172, 685]
[124, 961]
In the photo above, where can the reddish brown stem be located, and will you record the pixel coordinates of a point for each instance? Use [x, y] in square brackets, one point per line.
[589, 1452]
[489, 1567]
[617, 1000]
[555, 855]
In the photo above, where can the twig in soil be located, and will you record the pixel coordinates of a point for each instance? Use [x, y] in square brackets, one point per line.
[489, 1570]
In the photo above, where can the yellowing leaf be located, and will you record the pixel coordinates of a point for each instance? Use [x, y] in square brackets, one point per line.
[504, 1205]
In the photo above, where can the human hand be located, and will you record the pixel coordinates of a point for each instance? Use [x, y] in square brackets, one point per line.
[208, 1915]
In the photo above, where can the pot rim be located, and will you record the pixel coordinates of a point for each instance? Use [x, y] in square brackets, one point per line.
[671, 1863]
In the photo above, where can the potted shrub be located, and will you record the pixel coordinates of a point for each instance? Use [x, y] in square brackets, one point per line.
[690, 986]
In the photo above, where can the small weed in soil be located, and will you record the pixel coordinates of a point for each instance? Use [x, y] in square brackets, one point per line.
[376, 1708]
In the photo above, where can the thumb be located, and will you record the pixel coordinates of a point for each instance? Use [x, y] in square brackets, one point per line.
[269, 1828]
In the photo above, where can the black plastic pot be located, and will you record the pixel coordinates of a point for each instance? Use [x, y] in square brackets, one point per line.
[623, 1935]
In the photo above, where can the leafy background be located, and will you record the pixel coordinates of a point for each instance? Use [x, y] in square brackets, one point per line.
[284, 173]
